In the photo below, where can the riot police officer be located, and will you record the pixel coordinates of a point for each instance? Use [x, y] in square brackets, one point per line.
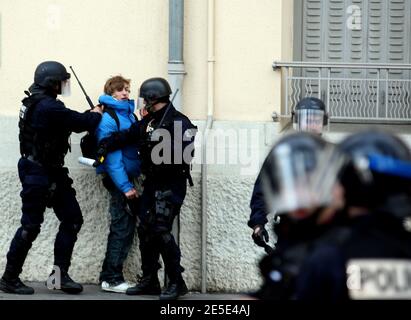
[309, 115]
[166, 142]
[290, 191]
[368, 255]
[45, 127]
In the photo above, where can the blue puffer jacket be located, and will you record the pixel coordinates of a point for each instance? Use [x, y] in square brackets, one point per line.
[124, 163]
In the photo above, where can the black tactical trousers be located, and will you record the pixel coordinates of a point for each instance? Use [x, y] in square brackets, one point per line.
[155, 238]
[43, 188]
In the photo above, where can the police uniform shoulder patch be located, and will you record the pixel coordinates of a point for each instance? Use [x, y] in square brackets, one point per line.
[23, 112]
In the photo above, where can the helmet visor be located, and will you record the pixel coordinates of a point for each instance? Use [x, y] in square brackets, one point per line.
[302, 180]
[141, 108]
[309, 120]
[65, 88]
[325, 177]
[287, 181]
[140, 103]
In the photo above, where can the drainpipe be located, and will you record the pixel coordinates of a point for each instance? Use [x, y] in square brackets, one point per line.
[209, 124]
[176, 70]
[176, 65]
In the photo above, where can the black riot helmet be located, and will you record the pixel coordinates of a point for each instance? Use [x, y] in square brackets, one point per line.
[154, 89]
[287, 171]
[50, 75]
[310, 115]
[377, 170]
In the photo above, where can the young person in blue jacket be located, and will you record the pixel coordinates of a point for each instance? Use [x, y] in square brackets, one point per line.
[119, 170]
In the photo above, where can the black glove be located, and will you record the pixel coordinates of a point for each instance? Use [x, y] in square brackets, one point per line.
[260, 236]
[107, 145]
[101, 152]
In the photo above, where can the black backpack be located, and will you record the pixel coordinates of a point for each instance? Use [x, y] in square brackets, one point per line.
[88, 143]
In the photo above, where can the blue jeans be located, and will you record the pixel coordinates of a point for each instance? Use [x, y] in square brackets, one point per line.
[120, 238]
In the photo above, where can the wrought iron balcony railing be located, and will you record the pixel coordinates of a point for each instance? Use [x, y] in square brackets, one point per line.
[351, 91]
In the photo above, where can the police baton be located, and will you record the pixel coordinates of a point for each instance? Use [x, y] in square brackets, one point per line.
[90, 103]
[168, 108]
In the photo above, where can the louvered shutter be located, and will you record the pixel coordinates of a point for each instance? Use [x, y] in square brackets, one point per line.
[384, 37]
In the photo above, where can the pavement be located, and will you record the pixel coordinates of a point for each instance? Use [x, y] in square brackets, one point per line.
[100, 304]
[94, 292]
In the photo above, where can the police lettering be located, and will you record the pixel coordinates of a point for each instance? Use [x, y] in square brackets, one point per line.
[379, 279]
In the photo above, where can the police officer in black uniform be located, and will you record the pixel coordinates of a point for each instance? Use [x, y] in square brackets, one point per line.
[368, 255]
[309, 115]
[166, 143]
[289, 190]
[45, 127]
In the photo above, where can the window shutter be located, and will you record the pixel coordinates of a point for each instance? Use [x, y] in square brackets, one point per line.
[384, 36]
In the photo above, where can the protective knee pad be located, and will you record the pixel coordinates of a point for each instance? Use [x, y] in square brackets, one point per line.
[77, 227]
[30, 234]
[71, 228]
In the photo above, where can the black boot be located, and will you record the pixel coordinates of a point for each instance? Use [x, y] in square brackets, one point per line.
[174, 290]
[146, 285]
[69, 286]
[15, 286]
[66, 284]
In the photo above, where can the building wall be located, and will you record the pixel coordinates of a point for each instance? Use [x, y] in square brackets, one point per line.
[104, 38]
[248, 39]
[98, 38]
